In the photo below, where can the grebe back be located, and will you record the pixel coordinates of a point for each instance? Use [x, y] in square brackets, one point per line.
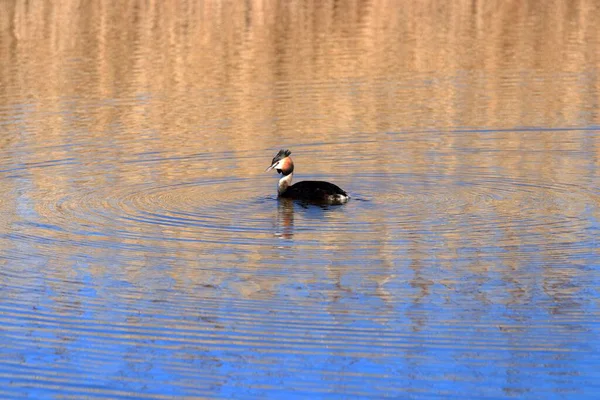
[311, 191]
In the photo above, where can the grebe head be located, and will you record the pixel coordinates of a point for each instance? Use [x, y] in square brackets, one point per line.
[282, 163]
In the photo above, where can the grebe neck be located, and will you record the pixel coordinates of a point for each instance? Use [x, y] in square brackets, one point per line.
[284, 183]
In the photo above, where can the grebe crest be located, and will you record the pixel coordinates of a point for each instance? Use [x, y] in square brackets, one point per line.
[310, 191]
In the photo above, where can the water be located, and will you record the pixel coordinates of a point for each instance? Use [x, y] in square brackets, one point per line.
[143, 251]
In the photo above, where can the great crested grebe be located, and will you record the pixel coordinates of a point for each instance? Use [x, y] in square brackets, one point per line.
[311, 191]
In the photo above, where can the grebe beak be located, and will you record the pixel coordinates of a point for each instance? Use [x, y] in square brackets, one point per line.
[275, 165]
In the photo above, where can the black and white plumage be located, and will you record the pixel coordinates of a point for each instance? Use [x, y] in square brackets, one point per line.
[311, 191]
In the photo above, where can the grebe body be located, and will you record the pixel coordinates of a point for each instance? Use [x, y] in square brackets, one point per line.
[310, 191]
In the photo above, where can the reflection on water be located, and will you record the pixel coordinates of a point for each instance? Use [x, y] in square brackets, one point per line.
[144, 253]
[285, 218]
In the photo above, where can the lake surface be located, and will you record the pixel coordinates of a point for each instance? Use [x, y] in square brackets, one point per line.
[144, 253]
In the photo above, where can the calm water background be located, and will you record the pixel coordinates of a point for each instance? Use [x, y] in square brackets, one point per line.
[143, 252]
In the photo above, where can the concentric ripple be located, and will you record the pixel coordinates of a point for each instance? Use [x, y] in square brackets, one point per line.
[485, 209]
[205, 210]
[491, 210]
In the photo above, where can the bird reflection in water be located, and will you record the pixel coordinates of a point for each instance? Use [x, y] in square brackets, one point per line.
[285, 218]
